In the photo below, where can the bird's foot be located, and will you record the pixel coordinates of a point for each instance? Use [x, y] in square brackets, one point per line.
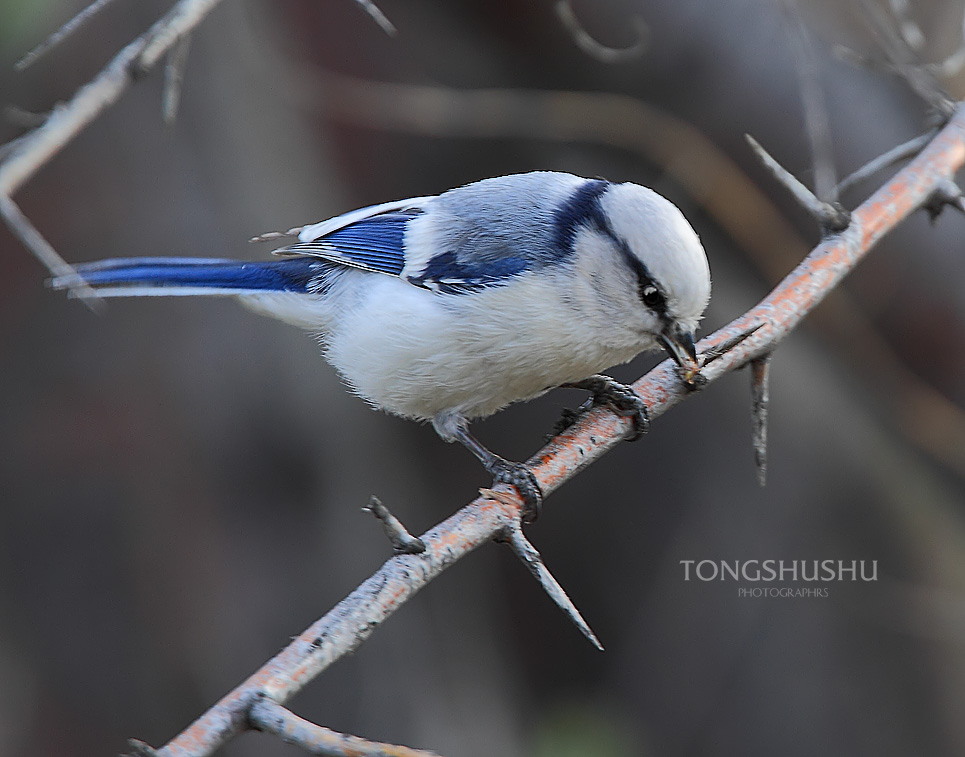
[503, 471]
[620, 398]
[518, 475]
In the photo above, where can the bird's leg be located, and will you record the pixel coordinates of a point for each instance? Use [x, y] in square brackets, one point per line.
[620, 398]
[505, 472]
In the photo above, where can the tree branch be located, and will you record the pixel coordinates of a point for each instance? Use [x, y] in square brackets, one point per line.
[355, 618]
[68, 120]
[29, 153]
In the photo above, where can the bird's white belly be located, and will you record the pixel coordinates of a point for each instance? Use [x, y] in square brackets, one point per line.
[418, 354]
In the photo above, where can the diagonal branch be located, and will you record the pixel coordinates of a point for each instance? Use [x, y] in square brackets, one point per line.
[68, 120]
[355, 618]
[62, 33]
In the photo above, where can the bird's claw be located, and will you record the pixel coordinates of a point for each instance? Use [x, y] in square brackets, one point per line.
[626, 403]
[621, 399]
[518, 475]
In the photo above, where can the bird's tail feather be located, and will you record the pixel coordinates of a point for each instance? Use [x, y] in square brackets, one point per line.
[139, 277]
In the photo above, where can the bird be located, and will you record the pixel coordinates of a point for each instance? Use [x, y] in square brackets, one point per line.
[448, 308]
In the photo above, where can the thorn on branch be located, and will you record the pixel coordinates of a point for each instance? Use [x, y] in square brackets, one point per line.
[760, 397]
[403, 543]
[831, 216]
[719, 350]
[531, 559]
[270, 717]
[597, 50]
[947, 193]
[895, 155]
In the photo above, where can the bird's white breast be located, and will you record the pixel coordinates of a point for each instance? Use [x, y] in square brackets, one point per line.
[417, 353]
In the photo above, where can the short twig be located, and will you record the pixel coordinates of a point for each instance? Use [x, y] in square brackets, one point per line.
[402, 541]
[534, 562]
[595, 49]
[895, 155]
[378, 16]
[270, 717]
[173, 78]
[831, 217]
[760, 398]
[61, 34]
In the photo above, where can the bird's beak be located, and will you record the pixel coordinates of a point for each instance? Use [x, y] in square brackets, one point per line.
[679, 344]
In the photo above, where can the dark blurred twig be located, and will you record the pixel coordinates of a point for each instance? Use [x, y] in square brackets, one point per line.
[955, 61]
[378, 16]
[908, 28]
[177, 61]
[816, 120]
[62, 33]
[903, 59]
[595, 49]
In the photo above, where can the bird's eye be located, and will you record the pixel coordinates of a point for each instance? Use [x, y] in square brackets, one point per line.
[651, 296]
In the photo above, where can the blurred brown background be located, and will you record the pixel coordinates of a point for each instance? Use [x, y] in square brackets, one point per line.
[180, 480]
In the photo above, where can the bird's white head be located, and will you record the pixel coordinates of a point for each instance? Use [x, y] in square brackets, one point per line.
[654, 273]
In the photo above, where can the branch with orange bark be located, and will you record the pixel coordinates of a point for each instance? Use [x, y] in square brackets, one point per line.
[495, 514]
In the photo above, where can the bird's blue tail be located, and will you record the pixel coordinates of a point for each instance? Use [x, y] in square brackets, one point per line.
[133, 277]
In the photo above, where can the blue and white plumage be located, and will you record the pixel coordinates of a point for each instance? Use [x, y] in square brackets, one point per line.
[448, 308]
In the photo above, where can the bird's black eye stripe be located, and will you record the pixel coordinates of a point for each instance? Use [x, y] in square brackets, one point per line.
[583, 209]
[650, 294]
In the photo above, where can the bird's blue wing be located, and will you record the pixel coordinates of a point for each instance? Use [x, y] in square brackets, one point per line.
[477, 236]
[371, 239]
[374, 244]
